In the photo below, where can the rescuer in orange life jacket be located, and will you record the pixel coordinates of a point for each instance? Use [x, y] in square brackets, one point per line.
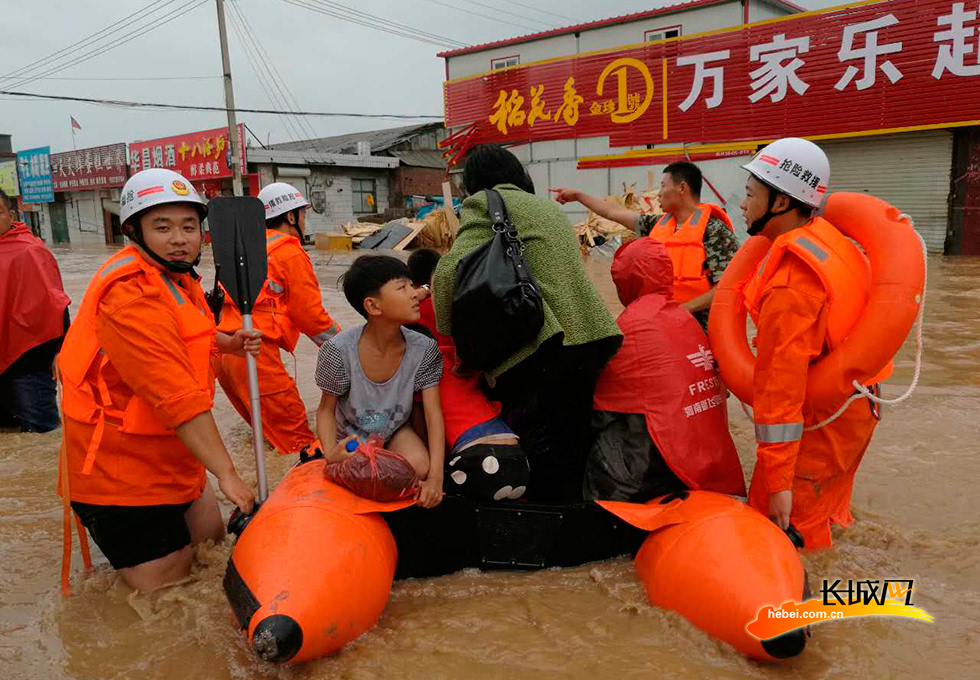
[289, 304]
[138, 387]
[659, 412]
[699, 236]
[802, 476]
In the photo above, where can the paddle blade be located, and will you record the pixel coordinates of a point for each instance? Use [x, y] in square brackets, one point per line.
[238, 239]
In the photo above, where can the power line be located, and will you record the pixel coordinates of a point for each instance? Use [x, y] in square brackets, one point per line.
[277, 80]
[249, 131]
[190, 107]
[373, 18]
[95, 36]
[484, 5]
[543, 11]
[484, 16]
[259, 75]
[313, 6]
[136, 79]
[176, 14]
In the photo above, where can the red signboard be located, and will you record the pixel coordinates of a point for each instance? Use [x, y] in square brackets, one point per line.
[196, 155]
[867, 67]
[101, 167]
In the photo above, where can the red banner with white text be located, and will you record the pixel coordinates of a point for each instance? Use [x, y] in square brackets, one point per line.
[197, 156]
[876, 66]
[100, 167]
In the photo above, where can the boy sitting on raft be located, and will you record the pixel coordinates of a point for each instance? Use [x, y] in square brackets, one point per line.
[369, 374]
[485, 460]
[659, 413]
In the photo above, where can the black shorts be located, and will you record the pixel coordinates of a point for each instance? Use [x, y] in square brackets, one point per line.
[129, 535]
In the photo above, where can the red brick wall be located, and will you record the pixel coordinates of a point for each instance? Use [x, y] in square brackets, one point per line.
[409, 181]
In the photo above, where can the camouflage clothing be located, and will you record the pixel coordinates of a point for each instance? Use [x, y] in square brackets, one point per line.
[720, 246]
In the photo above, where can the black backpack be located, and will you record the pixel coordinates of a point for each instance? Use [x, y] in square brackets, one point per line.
[497, 306]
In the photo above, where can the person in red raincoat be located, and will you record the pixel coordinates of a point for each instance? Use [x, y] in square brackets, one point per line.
[659, 411]
[34, 309]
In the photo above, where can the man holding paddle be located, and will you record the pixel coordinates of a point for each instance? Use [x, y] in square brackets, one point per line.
[138, 391]
[288, 304]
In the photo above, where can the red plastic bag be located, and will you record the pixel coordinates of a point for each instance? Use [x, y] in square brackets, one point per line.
[375, 473]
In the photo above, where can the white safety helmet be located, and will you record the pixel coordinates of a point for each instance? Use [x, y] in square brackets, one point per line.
[279, 198]
[796, 167]
[157, 186]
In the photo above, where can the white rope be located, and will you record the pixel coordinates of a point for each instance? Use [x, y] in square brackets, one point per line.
[864, 392]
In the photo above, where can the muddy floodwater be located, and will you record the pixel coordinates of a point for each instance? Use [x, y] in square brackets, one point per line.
[915, 502]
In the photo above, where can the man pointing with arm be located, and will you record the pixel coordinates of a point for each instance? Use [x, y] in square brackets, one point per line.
[699, 236]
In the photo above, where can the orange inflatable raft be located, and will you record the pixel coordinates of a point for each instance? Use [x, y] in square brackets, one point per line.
[717, 562]
[313, 569]
[897, 283]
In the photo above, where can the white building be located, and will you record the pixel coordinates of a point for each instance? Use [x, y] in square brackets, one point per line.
[912, 169]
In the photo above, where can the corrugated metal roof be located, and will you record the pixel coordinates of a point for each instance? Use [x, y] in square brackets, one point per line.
[423, 158]
[591, 25]
[380, 140]
[309, 157]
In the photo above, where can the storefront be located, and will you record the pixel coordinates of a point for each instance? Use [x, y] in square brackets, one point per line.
[86, 194]
[883, 87]
[202, 157]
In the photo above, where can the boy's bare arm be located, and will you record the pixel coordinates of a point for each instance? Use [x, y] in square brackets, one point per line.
[326, 428]
[431, 494]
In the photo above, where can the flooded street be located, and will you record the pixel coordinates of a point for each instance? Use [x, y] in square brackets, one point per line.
[914, 500]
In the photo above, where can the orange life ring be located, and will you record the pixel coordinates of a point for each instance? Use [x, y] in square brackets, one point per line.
[897, 283]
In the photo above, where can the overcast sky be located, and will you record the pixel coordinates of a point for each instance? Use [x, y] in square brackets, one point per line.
[327, 63]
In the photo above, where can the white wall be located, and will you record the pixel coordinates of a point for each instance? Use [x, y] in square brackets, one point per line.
[760, 10]
[479, 62]
[692, 21]
[44, 221]
[86, 222]
[336, 185]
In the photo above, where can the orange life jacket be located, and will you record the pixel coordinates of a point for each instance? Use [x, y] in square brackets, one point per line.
[86, 396]
[842, 268]
[269, 312]
[686, 249]
[87, 401]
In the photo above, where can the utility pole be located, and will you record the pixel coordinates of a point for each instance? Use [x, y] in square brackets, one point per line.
[236, 152]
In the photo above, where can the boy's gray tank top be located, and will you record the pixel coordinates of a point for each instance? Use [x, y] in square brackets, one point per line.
[377, 408]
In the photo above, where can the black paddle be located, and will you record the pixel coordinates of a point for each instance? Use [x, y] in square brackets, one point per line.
[238, 240]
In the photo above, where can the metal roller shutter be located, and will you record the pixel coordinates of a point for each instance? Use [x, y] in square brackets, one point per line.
[911, 171]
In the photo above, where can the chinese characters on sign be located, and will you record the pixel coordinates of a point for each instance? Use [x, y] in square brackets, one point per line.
[34, 169]
[878, 591]
[197, 156]
[8, 177]
[101, 167]
[889, 65]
